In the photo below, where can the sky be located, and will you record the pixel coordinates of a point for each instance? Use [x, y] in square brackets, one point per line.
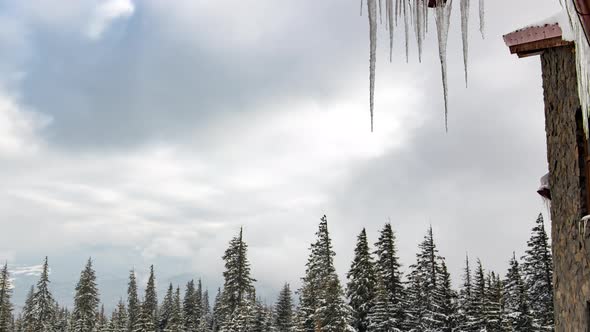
[149, 132]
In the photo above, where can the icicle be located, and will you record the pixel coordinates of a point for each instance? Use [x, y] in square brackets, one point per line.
[482, 19]
[464, 33]
[406, 27]
[380, 12]
[420, 18]
[361, 7]
[443, 15]
[372, 9]
[390, 18]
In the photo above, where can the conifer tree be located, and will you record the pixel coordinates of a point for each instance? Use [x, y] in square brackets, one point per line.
[198, 302]
[538, 272]
[84, 315]
[493, 303]
[206, 317]
[145, 322]
[361, 284]
[189, 308]
[28, 319]
[102, 323]
[284, 310]
[133, 305]
[388, 269]
[423, 291]
[447, 301]
[43, 309]
[466, 320]
[479, 299]
[238, 285]
[167, 308]
[383, 313]
[120, 320]
[150, 302]
[320, 304]
[516, 302]
[5, 304]
[175, 322]
[217, 312]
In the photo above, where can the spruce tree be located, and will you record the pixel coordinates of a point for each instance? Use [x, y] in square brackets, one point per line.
[175, 322]
[217, 312]
[206, 316]
[538, 272]
[516, 302]
[361, 284]
[388, 269]
[102, 323]
[150, 302]
[167, 308]
[320, 303]
[447, 302]
[238, 285]
[84, 315]
[284, 310]
[43, 309]
[423, 291]
[198, 302]
[133, 305]
[479, 299]
[493, 303]
[383, 313]
[120, 321]
[466, 320]
[189, 308]
[5, 304]
[28, 319]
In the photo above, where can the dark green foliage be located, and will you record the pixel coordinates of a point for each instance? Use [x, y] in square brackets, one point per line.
[84, 315]
[5, 304]
[516, 302]
[133, 305]
[284, 310]
[362, 281]
[538, 274]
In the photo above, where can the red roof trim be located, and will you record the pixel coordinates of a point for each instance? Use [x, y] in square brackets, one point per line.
[532, 34]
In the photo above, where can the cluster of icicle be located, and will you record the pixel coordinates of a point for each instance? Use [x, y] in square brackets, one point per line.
[582, 59]
[415, 13]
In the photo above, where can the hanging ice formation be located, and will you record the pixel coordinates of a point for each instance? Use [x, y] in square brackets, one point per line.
[415, 13]
[464, 33]
[482, 22]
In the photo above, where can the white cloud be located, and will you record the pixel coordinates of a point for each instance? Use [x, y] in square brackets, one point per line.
[18, 128]
[106, 13]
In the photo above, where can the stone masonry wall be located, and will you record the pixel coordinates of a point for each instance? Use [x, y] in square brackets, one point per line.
[565, 151]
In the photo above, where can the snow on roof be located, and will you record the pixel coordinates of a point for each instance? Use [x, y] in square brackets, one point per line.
[560, 18]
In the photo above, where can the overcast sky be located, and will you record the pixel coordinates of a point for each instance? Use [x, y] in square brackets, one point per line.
[147, 132]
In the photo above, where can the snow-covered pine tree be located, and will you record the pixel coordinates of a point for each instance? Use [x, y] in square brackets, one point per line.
[198, 302]
[43, 309]
[27, 317]
[270, 319]
[85, 313]
[284, 310]
[206, 317]
[538, 274]
[260, 316]
[319, 266]
[102, 323]
[388, 268]
[479, 299]
[320, 302]
[133, 305]
[447, 301]
[238, 286]
[145, 322]
[362, 280]
[243, 317]
[382, 314]
[5, 304]
[63, 319]
[166, 308]
[150, 301]
[493, 303]
[175, 322]
[119, 321]
[516, 302]
[333, 314]
[465, 303]
[423, 292]
[189, 308]
[217, 312]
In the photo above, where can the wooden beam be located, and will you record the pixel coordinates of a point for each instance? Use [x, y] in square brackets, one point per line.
[537, 47]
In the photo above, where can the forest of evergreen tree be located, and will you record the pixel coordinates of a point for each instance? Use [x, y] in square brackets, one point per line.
[378, 296]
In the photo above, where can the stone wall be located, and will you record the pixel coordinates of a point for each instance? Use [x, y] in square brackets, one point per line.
[565, 154]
